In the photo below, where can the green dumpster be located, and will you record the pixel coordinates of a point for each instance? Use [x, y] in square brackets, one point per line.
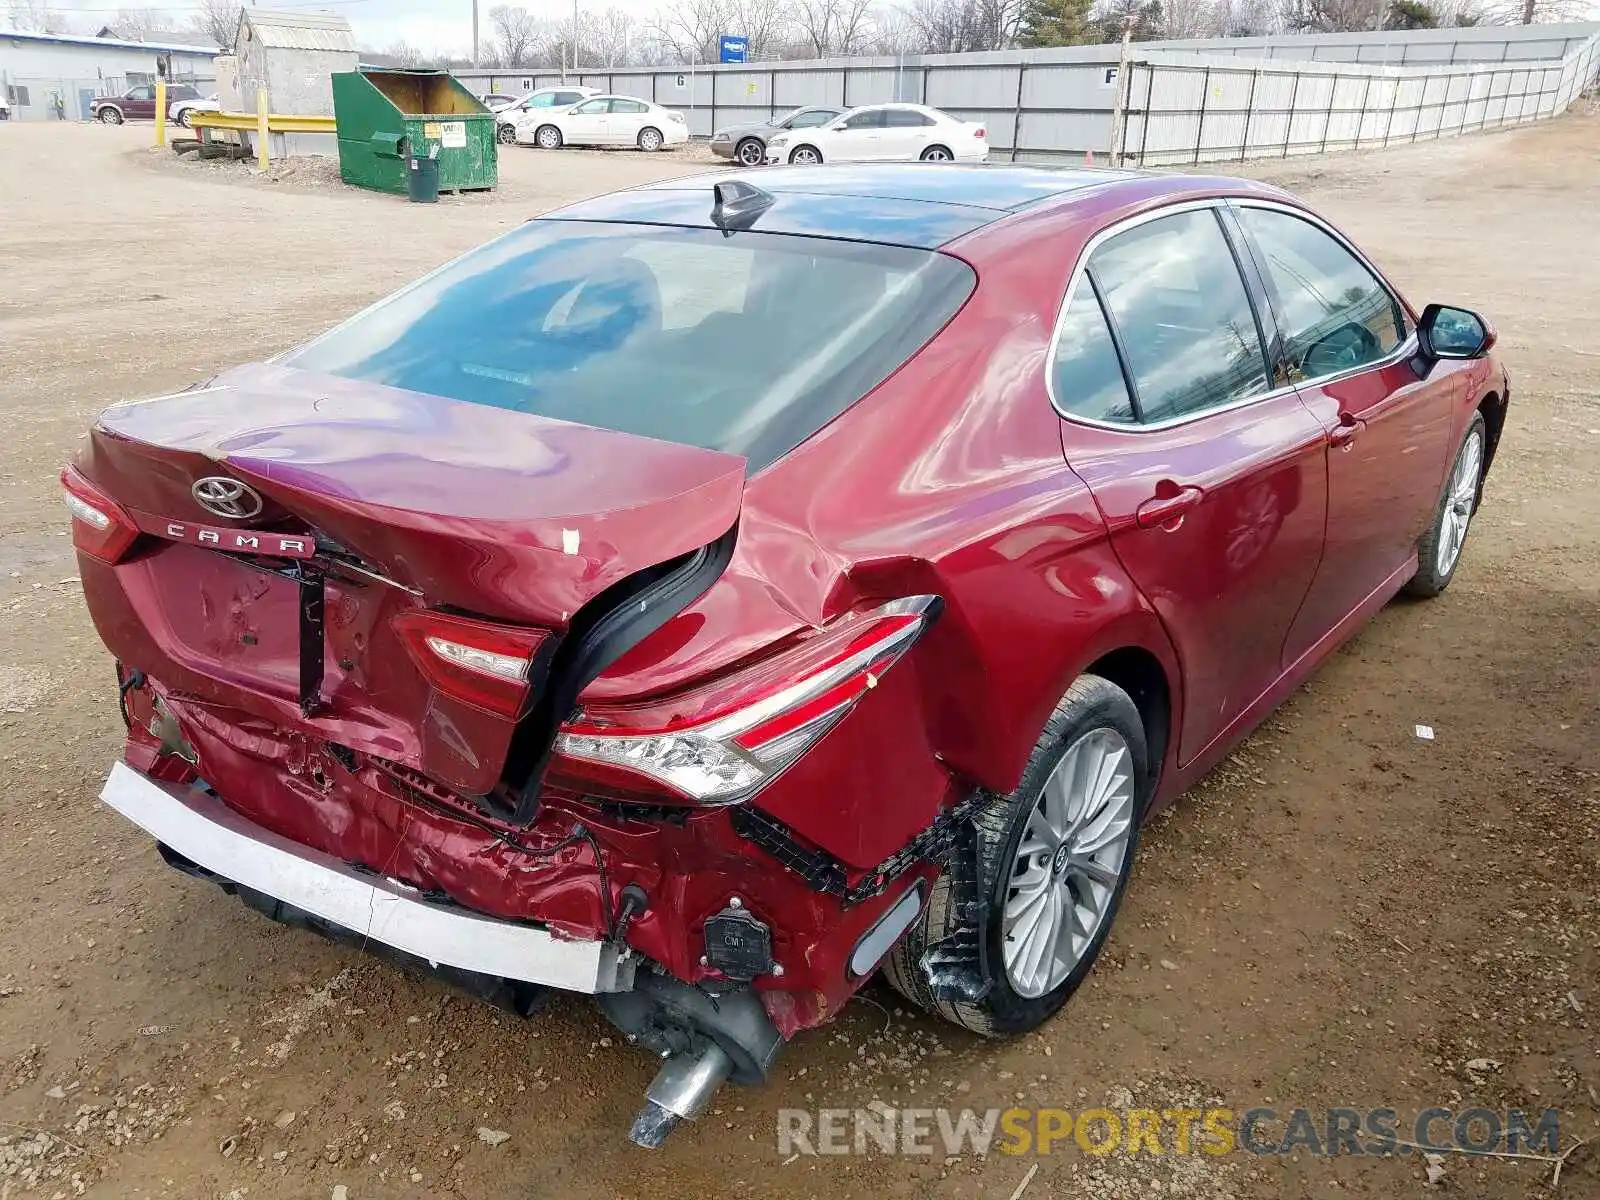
[386, 118]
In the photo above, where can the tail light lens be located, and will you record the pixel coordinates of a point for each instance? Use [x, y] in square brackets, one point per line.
[723, 742]
[101, 527]
[980, 133]
[476, 662]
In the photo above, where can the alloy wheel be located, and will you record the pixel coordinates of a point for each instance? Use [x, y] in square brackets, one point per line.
[549, 138]
[505, 135]
[936, 154]
[649, 140]
[805, 156]
[751, 152]
[1458, 505]
[1068, 863]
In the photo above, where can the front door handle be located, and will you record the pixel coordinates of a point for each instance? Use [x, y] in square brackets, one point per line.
[1345, 431]
[1168, 505]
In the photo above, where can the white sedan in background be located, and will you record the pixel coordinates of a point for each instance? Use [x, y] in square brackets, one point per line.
[606, 121]
[884, 133]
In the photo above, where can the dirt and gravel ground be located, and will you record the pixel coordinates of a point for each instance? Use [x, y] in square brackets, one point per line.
[1343, 914]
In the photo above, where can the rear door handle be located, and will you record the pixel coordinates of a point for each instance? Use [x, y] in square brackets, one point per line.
[1164, 509]
[1345, 431]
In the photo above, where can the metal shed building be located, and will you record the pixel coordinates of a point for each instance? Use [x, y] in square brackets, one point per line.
[37, 67]
[293, 55]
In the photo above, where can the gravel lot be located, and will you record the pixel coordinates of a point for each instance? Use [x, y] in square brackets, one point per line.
[1342, 914]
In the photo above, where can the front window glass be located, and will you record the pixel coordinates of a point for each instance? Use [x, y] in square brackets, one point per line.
[1185, 319]
[1335, 314]
[748, 344]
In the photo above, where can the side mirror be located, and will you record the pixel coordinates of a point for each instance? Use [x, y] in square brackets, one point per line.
[836, 127]
[1446, 332]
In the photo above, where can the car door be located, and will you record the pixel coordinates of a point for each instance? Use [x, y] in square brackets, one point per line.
[627, 118]
[858, 138]
[588, 124]
[1349, 346]
[1210, 475]
[140, 102]
[906, 134]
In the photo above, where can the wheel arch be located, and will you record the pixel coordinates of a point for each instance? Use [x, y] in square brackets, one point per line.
[1493, 408]
[1140, 673]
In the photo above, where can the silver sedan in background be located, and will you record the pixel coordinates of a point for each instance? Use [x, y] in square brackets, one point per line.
[747, 144]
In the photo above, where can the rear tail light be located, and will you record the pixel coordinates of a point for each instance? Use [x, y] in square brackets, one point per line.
[101, 527]
[481, 664]
[724, 742]
[980, 133]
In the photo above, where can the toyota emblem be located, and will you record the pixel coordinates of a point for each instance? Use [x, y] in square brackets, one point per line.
[226, 497]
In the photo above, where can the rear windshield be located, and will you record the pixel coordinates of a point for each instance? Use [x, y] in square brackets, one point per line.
[747, 343]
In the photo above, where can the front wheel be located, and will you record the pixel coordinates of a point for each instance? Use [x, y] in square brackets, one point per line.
[548, 138]
[751, 153]
[186, 119]
[1439, 551]
[1054, 858]
[506, 134]
[937, 154]
[805, 156]
[650, 139]
[110, 116]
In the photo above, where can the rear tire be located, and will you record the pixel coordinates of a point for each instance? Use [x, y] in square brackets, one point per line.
[110, 116]
[548, 137]
[1439, 551]
[805, 156]
[650, 139]
[1094, 713]
[937, 154]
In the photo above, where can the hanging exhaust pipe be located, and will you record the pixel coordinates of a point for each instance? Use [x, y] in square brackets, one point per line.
[704, 1039]
[680, 1092]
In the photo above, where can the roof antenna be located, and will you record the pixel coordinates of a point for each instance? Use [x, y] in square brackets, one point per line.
[737, 205]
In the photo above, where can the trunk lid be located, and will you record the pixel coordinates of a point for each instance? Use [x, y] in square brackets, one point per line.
[410, 502]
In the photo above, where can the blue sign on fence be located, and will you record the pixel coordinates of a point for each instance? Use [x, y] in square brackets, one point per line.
[731, 48]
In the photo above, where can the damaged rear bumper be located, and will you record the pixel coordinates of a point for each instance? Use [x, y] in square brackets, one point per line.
[206, 832]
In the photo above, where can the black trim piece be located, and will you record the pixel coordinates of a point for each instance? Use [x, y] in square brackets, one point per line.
[1264, 300]
[1117, 347]
[313, 597]
[603, 631]
[1269, 359]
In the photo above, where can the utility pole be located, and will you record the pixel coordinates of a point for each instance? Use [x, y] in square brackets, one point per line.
[475, 61]
[574, 37]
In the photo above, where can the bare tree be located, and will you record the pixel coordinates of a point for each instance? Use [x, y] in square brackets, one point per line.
[1534, 12]
[1334, 16]
[830, 27]
[607, 37]
[407, 55]
[216, 21]
[137, 24]
[36, 16]
[1189, 18]
[514, 33]
[1245, 18]
[687, 31]
[950, 26]
[765, 23]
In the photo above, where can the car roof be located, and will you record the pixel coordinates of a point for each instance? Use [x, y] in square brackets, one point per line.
[923, 205]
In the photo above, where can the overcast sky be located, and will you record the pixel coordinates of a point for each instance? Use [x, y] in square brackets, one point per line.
[444, 25]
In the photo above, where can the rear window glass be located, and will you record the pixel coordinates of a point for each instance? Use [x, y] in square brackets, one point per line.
[747, 344]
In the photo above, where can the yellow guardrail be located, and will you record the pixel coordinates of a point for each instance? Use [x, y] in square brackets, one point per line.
[261, 123]
[251, 123]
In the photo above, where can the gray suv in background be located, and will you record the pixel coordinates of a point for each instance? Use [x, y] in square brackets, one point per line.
[747, 144]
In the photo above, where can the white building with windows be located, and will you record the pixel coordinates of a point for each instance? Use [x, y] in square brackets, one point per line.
[36, 69]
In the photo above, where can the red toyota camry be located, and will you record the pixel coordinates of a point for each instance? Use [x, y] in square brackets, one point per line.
[709, 594]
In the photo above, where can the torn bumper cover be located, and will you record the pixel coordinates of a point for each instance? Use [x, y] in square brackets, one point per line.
[200, 828]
